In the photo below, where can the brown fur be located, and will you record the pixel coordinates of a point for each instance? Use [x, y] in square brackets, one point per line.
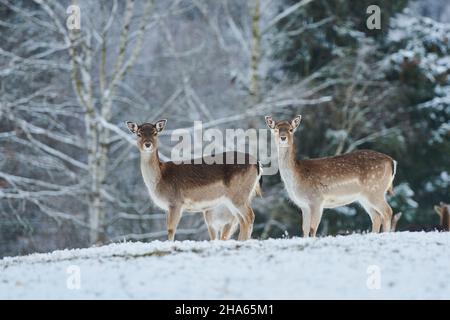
[395, 218]
[329, 182]
[197, 187]
[221, 223]
[443, 210]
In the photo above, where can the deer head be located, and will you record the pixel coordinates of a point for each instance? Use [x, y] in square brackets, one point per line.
[283, 130]
[147, 134]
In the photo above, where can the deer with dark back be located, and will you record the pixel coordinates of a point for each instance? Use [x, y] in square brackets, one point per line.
[197, 186]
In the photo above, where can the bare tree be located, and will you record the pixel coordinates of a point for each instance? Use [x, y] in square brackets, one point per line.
[83, 54]
[65, 94]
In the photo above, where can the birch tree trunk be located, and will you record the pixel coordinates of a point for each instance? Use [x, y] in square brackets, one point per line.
[255, 53]
[97, 135]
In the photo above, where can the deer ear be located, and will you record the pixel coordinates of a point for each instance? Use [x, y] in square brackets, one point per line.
[296, 121]
[132, 126]
[160, 124]
[270, 123]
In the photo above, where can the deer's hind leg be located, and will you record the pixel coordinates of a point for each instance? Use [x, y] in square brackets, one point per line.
[225, 234]
[211, 231]
[306, 221]
[375, 217]
[246, 218]
[229, 229]
[173, 219]
[237, 214]
[316, 217]
[250, 220]
[381, 206]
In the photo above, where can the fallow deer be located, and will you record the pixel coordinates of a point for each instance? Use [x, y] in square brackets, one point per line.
[443, 210]
[197, 187]
[222, 224]
[394, 221]
[314, 184]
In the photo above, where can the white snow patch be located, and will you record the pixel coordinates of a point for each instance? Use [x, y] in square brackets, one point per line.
[413, 265]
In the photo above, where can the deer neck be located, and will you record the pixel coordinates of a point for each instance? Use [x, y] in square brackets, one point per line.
[151, 169]
[286, 157]
[287, 161]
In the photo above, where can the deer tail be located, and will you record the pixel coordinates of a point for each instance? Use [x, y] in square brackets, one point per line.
[258, 190]
[394, 171]
[391, 190]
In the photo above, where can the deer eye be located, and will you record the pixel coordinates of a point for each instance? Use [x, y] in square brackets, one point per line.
[291, 130]
[139, 135]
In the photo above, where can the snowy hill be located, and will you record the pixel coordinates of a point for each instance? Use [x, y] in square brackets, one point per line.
[393, 266]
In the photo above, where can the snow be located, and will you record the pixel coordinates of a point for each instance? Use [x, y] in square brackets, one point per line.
[411, 265]
[421, 40]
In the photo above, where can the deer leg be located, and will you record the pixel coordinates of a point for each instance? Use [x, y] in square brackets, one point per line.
[211, 231]
[388, 221]
[248, 217]
[242, 229]
[375, 217]
[173, 218]
[250, 220]
[229, 229]
[316, 217]
[376, 220]
[385, 210]
[242, 222]
[306, 221]
[226, 232]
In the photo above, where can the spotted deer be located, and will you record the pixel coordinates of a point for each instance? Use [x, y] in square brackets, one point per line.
[394, 221]
[222, 224]
[443, 210]
[197, 187]
[314, 184]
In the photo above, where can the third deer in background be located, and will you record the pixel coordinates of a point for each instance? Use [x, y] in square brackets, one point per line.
[443, 210]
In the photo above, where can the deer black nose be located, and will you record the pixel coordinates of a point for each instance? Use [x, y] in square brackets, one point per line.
[147, 145]
[283, 138]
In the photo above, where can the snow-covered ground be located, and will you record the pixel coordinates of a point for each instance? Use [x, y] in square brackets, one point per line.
[393, 266]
